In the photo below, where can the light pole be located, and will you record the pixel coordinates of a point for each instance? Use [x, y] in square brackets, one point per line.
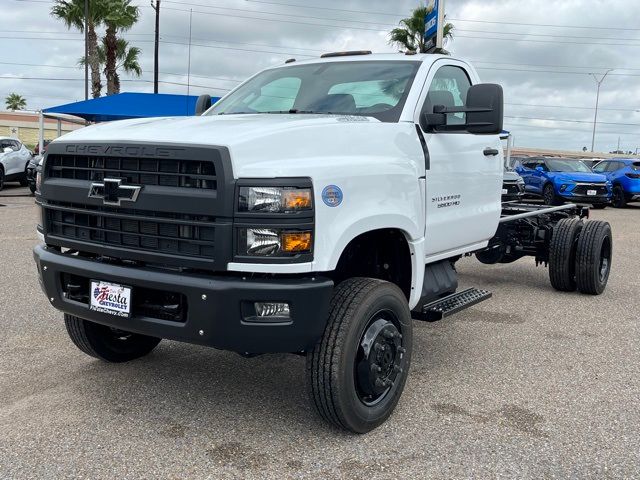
[156, 7]
[595, 117]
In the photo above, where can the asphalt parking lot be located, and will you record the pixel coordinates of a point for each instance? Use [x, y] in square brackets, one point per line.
[530, 384]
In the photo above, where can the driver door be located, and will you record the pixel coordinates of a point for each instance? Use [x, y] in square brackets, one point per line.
[464, 175]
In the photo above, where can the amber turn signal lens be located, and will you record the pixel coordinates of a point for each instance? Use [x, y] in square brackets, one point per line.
[296, 199]
[296, 242]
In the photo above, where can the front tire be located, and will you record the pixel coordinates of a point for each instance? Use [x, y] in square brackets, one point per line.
[23, 181]
[549, 195]
[593, 257]
[1, 177]
[599, 206]
[106, 343]
[358, 369]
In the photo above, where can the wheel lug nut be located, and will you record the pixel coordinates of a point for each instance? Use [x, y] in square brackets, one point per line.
[380, 383]
[388, 334]
[402, 350]
[397, 368]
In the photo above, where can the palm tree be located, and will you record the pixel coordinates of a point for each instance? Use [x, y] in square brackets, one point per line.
[411, 35]
[126, 59]
[13, 101]
[71, 12]
[120, 16]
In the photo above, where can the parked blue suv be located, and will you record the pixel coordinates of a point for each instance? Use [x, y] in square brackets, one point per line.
[624, 174]
[557, 180]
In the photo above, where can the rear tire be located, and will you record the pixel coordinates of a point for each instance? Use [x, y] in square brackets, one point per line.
[106, 343]
[358, 369]
[593, 257]
[562, 254]
[1, 177]
[619, 198]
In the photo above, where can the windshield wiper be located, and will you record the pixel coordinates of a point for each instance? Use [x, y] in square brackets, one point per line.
[292, 110]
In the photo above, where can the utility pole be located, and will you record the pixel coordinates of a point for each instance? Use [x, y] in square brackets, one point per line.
[189, 55]
[595, 117]
[618, 149]
[156, 7]
[86, 50]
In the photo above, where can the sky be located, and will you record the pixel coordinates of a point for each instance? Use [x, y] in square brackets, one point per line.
[542, 53]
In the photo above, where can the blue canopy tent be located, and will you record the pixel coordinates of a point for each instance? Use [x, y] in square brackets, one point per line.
[123, 106]
[129, 105]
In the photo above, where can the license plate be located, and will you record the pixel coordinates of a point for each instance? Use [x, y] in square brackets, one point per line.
[591, 193]
[110, 298]
[504, 191]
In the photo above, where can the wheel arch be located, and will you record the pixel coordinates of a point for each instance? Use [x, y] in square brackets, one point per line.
[387, 253]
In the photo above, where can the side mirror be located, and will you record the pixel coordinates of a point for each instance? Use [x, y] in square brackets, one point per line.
[485, 104]
[7, 150]
[539, 169]
[202, 104]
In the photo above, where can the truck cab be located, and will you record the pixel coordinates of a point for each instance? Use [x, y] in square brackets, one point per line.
[315, 209]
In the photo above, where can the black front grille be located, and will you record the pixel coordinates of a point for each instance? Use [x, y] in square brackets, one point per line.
[512, 188]
[583, 188]
[142, 171]
[163, 233]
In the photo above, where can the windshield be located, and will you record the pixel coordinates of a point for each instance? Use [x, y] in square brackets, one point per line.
[367, 88]
[558, 165]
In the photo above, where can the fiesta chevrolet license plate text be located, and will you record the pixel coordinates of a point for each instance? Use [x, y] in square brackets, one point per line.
[110, 298]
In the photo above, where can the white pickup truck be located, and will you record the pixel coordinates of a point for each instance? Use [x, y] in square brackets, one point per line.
[316, 209]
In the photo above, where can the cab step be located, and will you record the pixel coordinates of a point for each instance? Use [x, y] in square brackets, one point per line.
[445, 306]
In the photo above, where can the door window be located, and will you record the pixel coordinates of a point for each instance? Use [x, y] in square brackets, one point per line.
[15, 145]
[613, 166]
[601, 167]
[449, 88]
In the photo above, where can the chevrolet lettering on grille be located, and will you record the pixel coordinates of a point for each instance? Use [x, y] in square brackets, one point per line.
[113, 191]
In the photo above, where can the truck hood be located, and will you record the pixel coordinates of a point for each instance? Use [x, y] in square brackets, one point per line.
[265, 145]
[219, 130]
[579, 177]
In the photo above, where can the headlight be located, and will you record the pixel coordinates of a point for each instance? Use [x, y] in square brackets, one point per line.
[274, 199]
[273, 242]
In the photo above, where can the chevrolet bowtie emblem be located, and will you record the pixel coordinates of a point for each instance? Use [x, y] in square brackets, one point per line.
[113, 191]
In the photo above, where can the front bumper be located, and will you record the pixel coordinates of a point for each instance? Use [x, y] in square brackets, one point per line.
[215, 306]
[599, 199]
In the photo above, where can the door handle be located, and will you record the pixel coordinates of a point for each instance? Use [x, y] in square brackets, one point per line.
[490, 151]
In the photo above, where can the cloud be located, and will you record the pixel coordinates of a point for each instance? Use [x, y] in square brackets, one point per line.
[239, 37]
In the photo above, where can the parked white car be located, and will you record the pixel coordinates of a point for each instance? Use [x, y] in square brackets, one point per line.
[14, 157]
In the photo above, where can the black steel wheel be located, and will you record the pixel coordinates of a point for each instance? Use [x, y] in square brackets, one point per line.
[549, 195]
[619, 199]
[358, 369]
[106, 343]
[562, 254]
[593, 257]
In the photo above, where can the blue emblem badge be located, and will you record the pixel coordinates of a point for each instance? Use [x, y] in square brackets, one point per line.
[332, 195]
